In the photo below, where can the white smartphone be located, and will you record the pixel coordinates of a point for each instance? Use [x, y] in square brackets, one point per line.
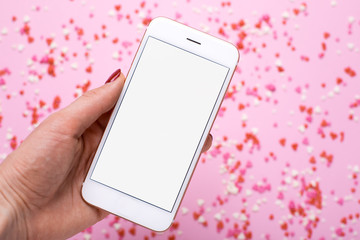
[159, 125]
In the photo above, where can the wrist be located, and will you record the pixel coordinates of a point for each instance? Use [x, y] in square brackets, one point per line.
[12, 217]
[6, 216]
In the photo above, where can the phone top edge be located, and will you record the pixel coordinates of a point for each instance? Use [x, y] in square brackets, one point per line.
[157, 23]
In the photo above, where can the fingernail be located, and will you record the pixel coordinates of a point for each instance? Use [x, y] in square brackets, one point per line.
[114, 76]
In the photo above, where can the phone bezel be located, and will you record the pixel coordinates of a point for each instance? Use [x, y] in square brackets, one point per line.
[126, 206]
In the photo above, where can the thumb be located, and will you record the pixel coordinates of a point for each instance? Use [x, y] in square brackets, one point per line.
[82, 113]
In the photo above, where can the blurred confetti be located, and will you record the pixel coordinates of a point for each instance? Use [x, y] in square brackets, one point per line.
[283, 164]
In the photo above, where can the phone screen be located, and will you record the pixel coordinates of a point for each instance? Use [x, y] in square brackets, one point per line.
[159, 124]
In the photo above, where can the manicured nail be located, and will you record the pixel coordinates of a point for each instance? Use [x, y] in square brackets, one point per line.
[114, 76]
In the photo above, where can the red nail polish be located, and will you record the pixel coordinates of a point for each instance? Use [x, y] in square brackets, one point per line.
[113, 76]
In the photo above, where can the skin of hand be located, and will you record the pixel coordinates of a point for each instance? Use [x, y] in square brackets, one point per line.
[40, 182]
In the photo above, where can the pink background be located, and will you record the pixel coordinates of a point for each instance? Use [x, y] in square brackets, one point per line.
[284, 162]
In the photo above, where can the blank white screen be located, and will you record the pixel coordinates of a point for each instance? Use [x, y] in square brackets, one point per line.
[159, 123]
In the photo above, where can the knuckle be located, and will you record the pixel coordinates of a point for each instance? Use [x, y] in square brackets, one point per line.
[91, 94]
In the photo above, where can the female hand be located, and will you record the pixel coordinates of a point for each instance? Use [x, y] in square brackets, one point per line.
[40, 182]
